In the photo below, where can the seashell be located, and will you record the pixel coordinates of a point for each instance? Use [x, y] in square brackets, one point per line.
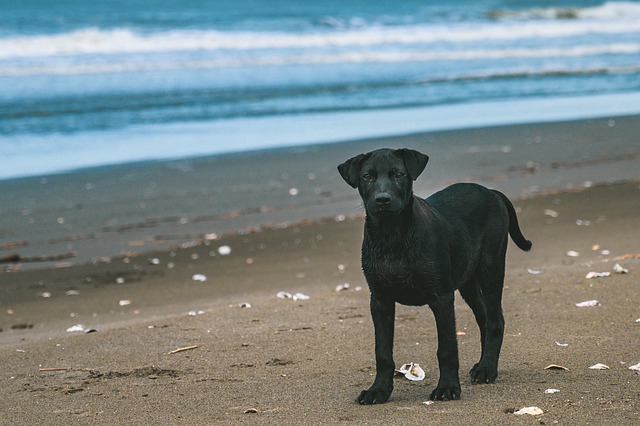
[412, 371]
[284, 295]
[563, 345]
[342, 287]
[572, 253]
[245, 305]
[635, 367]
[550, 391]
[591, 275]
[588, 304]
[599, 366]
[300, 296]
[619, 269]
[224, 250]
[76, 328]
[534, 411]
[535, 271]
[124, 302]
[551, 213]
[199, 277]
[556, 367]
[428, 402]
[154, 261]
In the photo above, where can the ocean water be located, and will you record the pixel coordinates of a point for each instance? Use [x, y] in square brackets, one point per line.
[92, 83]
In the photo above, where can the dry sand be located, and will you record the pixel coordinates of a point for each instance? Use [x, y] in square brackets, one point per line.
[304, 362]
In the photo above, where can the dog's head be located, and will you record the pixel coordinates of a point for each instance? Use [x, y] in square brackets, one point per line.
[384, 178]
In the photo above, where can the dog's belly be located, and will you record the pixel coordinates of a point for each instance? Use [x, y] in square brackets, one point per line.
[401, 285]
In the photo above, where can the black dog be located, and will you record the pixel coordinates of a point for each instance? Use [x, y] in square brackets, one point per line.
[418, 252]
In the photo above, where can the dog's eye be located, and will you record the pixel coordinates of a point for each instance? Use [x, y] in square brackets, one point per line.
[399, 175]
[367, 176]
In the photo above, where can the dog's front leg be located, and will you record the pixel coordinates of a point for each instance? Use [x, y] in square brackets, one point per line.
[383, 314]
[449, 384]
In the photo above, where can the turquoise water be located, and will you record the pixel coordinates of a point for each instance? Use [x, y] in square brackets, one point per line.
[92, 83]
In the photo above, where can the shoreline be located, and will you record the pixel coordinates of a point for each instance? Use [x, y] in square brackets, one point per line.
[98, 214]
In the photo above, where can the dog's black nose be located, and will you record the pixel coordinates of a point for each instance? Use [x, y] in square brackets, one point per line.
[382, 199]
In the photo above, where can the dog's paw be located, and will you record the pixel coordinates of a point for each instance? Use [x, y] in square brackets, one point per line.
[374, 396]
[446, 392]
[483, 373]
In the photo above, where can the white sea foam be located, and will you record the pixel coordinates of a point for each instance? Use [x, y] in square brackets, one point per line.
[610, 19]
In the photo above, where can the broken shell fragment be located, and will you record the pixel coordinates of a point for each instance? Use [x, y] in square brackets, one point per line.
[342, 287]
[635, 367]
[588, 304]
[551, 213]
[412, 371]
[224, 250]
[124, 302]
[300, 296]
[572, 253]
[245, 305]
[199, 277]
[592, 274]
[619, 269]
[563, 345]
[599, 366]
[76, 328]
[550, 391]
[284, 295]
[556, 367]
[535, 271]
[534, 411]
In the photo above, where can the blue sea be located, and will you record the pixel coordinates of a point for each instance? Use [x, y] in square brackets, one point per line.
[86, 83]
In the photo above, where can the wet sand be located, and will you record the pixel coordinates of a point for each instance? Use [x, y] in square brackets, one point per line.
[140, 234]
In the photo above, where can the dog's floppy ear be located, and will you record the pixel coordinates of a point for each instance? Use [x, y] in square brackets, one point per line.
[414, 161]
[350, 170]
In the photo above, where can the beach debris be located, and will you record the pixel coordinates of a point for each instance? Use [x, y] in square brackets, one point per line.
[461, 333]
[249, 260]
[428, 402]
[293, 191]
[562, 345]
[124, 302]
[551, 213]
[72, 292]
[551, 390]
[211, 236]
[199, 277]
[154, 261]
[340, 218]
[245, 305]
[284, 295]
[581, 222]
[635, 367]
[342, 287]
[412, 371]
[556, 367]
[186, 348]
[194, 313]
[45, 294]
[120, 280]
[535, 271]
[599, 366]
[572, 253]
[341, 267]
[45, 369]
[224, 250]
[619, 269]
[358, 288]
[296, 296]
[251, 411]
[588, 304]
[593, 274]
[533, 411]
[76, 328]
[195, 256]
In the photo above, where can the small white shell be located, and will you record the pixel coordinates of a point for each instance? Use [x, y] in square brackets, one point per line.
[284, 295]
[534, 411]
[619, 269]
[300, 296]
[342, 287]
[572, 253]
[199, 277]
[592, 274]
[635, 367]
[599, 366]
[550, 391]
[224, 250]
[588, 303]
[412, 371]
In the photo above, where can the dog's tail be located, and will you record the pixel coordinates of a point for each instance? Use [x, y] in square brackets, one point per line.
[514, 228]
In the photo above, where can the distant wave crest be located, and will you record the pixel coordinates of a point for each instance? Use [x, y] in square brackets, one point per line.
[607, 11]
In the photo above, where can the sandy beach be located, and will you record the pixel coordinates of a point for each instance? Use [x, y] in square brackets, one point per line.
[158, 259]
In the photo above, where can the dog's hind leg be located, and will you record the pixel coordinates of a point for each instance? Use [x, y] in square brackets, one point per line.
[471, 294]
[491, 281]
